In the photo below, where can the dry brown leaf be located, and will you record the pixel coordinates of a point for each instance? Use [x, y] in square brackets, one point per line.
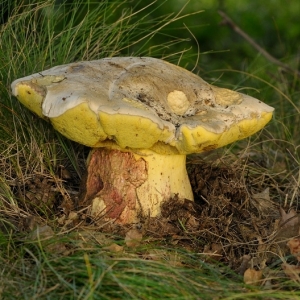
[192, 222]
[73, 215]
[252, 276]
[70, 221]
[43, 234]
[213, 251]
[294, 245]
[290, 219]
[114, 248]
[62, 220]
[291, 271]
[264, 195]
[263, 203]
[133, 237]
[288, 227]
[30, 223]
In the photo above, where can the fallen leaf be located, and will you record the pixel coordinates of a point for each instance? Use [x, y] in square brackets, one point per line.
[70, 220]
[30, 223]
[73, 215]
[264, 195]
[252, 276]
[289, 219]
[291, 271]
[294, 245]
[213, 251]
[263, 203]
[133, 238]
[288, 226]
[114, 248]
[62, 220]
[192, 222]
[43, 234]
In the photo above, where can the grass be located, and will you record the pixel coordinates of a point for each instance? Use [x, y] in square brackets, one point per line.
[95, 273]
[68, 263]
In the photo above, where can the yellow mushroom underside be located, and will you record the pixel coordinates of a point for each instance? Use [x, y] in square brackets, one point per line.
[135, 132]
[31, 97]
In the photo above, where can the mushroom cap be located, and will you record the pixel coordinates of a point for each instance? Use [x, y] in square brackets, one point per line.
[140, 103]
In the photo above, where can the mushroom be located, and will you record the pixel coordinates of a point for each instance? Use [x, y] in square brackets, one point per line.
[141, 116]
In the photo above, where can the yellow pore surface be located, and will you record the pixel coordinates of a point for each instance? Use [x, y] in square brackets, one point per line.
[31, 98]
[126, 131]
[198, 139]
[84, 126]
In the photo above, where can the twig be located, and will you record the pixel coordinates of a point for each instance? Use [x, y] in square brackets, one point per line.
[228, 21]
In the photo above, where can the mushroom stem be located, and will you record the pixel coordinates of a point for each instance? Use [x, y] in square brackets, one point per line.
[129, 185]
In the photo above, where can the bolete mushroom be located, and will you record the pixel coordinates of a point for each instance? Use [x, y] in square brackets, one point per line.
[141, 116]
